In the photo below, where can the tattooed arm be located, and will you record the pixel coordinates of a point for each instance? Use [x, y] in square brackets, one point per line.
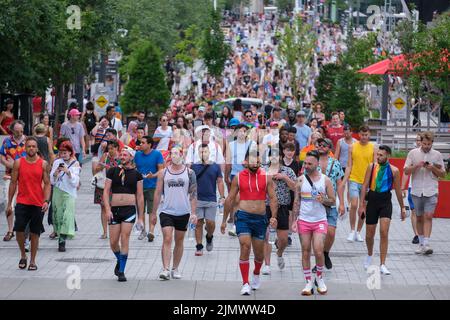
[193, 192]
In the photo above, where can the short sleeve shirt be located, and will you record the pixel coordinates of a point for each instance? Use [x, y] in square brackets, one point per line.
[74, 132]
[148, 163]
[281, 188]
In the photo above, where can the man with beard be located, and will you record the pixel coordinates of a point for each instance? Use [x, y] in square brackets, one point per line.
[380, 179]
[30, 178]
[313, 192]
[178, 184]
[126, 185]
[252, 186]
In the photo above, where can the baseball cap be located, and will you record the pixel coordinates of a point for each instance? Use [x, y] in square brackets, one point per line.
[200, 128]
[274, 124]
[233, 122]
[74, 112]
[326, 140]
[201, 109]
[130, 151]
[301, 113]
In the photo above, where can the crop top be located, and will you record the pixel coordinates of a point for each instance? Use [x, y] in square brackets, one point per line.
[252, 186]
[123, 180]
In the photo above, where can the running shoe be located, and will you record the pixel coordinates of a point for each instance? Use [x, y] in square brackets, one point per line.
[27, 245]
[142, 235]
[121, 277]
[358, 237]
[150, 237]
[367, 262]
[351, 236]
[246, 290]
[198, 252]
[164, 275]
[415, 240]
[384, 270]
[420, 250]
[427, 250]
[289, 241]
[209, 245]
[232, 231]
[256, 282]
[265, 270]
[281, 263]
[175, 274]
[314, 270]
[321, 287]
[308, 290]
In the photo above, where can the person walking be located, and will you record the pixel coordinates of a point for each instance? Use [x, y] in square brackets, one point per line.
[252, 186]
[380, 179]
[7, 118]
[178, 184]
[74, 130]
[31, 181]
[426, 166]
[124, 184]
[314, 191]
[209, 177]
[360, 155]
[13, 148]
[65, 177]
[149, 162]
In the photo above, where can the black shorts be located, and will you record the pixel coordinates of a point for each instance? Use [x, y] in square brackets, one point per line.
[282, 216]
[178, 222]
[195, 83]
[31, 215]
[126, 214]
[378, 206]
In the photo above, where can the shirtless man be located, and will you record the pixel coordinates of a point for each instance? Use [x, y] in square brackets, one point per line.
[251, 222]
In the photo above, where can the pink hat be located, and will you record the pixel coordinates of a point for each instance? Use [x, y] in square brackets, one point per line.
[74, 112]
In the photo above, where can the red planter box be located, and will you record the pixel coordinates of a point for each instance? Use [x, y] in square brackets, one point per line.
[443, 207]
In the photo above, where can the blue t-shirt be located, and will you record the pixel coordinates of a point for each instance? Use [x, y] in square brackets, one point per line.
[148, 163]
[302, 136]
[206, 185]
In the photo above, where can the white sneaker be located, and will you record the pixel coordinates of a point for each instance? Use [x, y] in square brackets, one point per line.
[309, 289]
[175, 274]
[232, 231]
[321, 287]
[358, 237]
[256, 282]
[367, 262]
[427, 250]
[420, 250]
[351, 236]
[246, 290]
[384, 270]
[281, 263]
[164, 275]
[265, 270]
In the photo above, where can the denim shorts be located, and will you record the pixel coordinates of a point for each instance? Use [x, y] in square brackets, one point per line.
[354, 189]
[332, 217]
[251, 224]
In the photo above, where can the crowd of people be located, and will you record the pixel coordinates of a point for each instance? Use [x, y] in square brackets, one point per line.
[276, 168]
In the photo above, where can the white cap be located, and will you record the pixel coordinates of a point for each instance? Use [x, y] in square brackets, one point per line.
[131, 151]
[200, 128]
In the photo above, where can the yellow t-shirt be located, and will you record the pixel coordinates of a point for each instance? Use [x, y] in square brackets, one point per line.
[362, 156]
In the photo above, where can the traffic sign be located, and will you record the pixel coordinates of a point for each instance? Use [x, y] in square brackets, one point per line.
[399, 103]
[398, 106]
[101, 101]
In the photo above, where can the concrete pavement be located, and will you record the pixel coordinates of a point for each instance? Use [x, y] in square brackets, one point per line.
[216, 274]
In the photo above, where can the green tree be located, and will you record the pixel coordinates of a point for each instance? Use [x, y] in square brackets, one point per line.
[146, 87]
[296, 49]
[213, 49]
[187, 48]
[285, 5]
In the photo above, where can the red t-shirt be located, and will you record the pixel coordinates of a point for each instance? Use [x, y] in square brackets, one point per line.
[334, 134]
[37, 104]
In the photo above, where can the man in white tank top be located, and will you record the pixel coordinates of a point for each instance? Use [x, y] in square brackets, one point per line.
[178, 184]
[311, 197]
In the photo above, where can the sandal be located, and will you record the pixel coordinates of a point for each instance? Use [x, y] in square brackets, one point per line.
[23, 263]
[8, 236]
[103, 236]
[32, 267]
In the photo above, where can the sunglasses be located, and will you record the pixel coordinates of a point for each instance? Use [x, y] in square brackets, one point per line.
[323, 145]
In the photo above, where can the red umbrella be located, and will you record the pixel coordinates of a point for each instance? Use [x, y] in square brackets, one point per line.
[394, 65]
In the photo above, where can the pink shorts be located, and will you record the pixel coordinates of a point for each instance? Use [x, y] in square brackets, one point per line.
[312, 227]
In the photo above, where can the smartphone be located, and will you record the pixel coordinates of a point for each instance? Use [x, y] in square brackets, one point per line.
[427, 163]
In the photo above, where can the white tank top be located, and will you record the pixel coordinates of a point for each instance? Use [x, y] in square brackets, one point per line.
[175, 194]
[310, 209]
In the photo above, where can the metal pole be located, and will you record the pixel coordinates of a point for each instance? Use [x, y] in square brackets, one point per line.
[384, 101]
[408, 119]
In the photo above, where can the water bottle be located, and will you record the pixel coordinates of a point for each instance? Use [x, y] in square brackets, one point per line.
[138, 228]
[191, 231]
[272, 235]
[314, 192]
[220, 205]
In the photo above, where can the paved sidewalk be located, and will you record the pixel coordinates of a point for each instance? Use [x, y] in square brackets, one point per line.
[216, 274]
